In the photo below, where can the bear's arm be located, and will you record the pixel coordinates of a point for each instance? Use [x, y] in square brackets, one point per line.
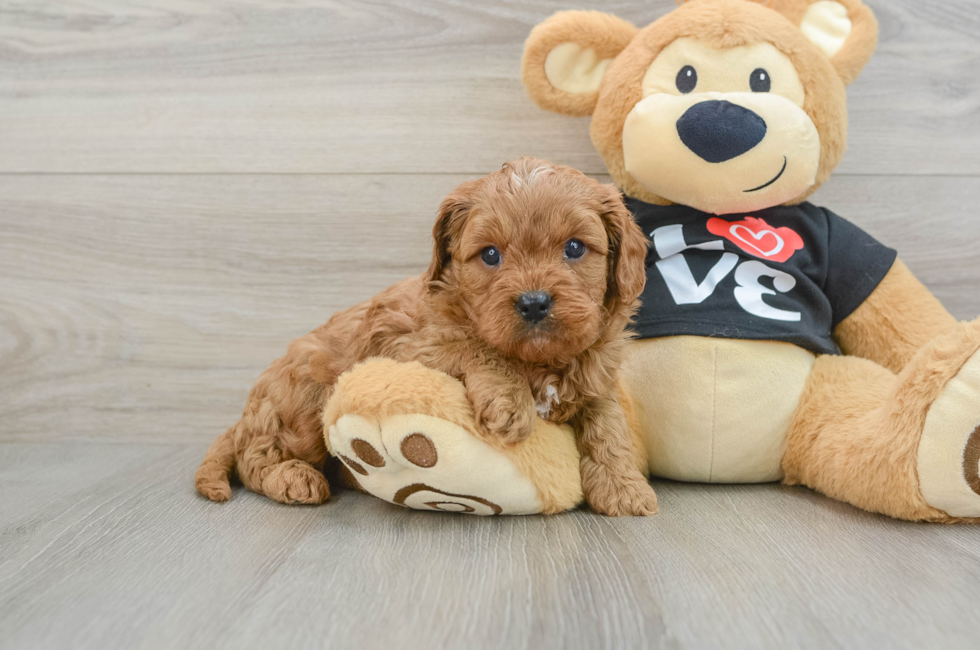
[898, 318]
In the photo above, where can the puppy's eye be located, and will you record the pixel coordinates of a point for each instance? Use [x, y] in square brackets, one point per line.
[687, 79]
[760, 81]
[490, 256]
[574, 249]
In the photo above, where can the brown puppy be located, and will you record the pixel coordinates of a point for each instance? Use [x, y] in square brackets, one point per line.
[535, 274]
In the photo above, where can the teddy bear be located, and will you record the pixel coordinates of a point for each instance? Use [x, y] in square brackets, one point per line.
[776, 341]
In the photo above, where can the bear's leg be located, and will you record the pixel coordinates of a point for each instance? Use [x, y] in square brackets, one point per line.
[408, 435]
[904, 445]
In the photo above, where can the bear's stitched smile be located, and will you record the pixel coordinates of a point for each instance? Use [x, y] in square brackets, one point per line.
[765, 185]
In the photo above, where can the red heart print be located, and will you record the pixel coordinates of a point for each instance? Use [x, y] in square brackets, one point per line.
[756, 237]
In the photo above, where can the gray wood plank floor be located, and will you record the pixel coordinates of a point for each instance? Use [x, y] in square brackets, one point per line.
[187, 186]
[431, 86]
[108, 546]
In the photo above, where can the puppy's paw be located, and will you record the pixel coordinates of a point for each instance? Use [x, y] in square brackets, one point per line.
[216, 490]
[507, 416]
[294, 481]
[629, 496]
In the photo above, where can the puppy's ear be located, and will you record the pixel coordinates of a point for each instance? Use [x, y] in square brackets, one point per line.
[626, 274]
[449, 223]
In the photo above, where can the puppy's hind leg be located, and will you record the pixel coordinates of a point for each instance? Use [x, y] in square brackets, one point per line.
[264, 469]
[211, 479]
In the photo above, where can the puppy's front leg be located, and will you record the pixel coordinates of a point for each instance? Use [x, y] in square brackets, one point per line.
[610, 480]
[501, 397]
[502, 401]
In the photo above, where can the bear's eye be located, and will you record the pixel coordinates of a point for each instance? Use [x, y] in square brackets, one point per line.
[574, 249]
[687, 79]
[490, 256]
[760, 81]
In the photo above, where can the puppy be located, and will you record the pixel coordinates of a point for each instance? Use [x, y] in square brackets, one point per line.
[535, 274]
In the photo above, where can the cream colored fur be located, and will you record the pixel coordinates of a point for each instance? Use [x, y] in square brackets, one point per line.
[827, 26]
[942, 462]
[574, 69]
[382, 402]
[703, 418]
[474, 473]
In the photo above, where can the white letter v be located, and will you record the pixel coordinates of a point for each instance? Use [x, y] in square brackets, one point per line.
[669, 243]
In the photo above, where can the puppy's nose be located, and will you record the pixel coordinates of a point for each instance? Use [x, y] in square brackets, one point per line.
[717, 130]
[533, 306]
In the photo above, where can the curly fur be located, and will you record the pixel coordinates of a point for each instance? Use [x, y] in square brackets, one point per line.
[459, 318]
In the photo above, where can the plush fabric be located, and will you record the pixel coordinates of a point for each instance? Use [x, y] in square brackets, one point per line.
[411, 436]
[949, 449]
[894, 322]
[604, 35]
[860, 429]
[689, 111]
[719, 24]
[703, 418]
[699, 109]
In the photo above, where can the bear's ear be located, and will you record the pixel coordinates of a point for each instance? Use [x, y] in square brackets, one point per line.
[566, 56]
[844, 30]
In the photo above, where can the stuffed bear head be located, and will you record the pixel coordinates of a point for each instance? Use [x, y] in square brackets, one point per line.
[720, 105]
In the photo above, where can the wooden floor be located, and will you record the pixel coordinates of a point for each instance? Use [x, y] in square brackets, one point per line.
[187, 186]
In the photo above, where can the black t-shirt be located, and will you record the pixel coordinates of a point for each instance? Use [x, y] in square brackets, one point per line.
[788, 273]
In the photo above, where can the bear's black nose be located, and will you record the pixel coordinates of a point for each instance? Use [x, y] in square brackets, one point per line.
[533, 306]
[718, 130]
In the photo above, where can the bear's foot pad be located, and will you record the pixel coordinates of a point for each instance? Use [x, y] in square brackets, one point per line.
[949, 451]
[427, 463]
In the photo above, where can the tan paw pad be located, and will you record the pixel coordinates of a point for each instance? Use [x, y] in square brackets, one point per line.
[949, 451]
[426, 463]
